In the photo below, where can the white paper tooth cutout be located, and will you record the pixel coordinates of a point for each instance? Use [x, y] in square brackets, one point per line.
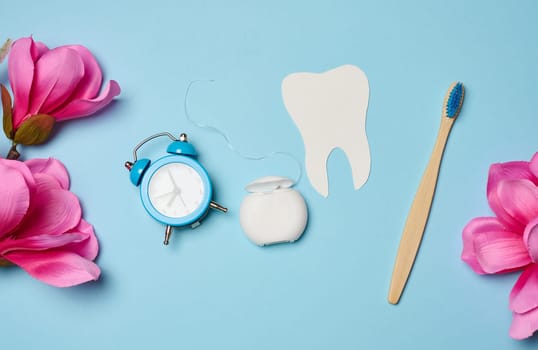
[330, 111]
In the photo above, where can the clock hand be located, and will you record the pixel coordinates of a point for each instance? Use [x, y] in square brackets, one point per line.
[165, 194]
[182, 200]
[176, 187]
[172, 198]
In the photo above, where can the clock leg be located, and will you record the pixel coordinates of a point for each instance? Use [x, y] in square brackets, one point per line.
[217, 206]
[167, 234]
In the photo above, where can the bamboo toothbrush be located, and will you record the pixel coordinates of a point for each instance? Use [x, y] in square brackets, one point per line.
[420, 209]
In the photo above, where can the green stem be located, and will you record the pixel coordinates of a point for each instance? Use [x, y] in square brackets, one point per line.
[13, 153]
[5, 263]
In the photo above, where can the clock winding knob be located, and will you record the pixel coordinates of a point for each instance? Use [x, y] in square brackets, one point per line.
[128, 165]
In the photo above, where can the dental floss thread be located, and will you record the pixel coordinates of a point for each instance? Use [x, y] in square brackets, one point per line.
[227, 139]
[273, 212]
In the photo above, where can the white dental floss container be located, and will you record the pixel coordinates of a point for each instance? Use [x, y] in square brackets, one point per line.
[273, 212]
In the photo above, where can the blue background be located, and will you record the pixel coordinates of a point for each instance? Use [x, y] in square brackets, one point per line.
[212, 288]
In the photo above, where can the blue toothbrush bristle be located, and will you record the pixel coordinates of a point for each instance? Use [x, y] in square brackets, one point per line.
[454, 101]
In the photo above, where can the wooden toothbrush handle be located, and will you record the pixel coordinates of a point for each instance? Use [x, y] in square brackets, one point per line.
[418, 216]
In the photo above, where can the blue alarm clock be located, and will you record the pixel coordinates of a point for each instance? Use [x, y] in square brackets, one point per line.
[175, 189]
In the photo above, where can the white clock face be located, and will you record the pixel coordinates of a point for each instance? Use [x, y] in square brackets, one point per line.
[176, 190]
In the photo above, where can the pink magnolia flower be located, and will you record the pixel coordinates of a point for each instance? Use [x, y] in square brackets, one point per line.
[63, 82]
[41, 227]
[509, 241]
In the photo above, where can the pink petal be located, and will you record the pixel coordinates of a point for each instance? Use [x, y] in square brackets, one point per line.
[15, 195]
[496, 251]
[38, 50]
[22, 168]
[517, 170]
[47, 182]
[534, 165]
[501, 172]
[530, 237]
[90, 84]
[21, 75]
[519, 199]
[87, 248]
[524, 295]
[477, 226]
[524, 325]
[84, 107]
[52, 210]
[57, 74]
[40, 242]
[52, 167]
[57, 268]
